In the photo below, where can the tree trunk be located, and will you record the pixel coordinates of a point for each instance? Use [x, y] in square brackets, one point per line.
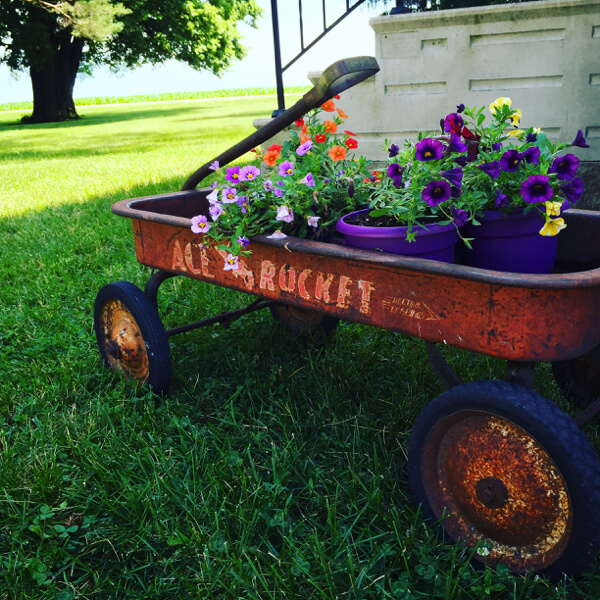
[54, 80]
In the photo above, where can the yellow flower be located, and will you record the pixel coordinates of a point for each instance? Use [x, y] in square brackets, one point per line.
[553, 208]
[498, 103]
[516, 117]
[552, 226]
[516, 133]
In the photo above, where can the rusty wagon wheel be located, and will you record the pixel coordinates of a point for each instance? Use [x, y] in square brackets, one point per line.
[579, 378]
[299, 320]
[131, 336]
[502, 468]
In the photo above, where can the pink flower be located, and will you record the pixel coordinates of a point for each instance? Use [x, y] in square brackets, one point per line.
[229, 195]
[304, 148]
[277, 235]
[231, 263]
[215, 166]
[249, 173]
[215, 210]
[308, 180]
[284, 214]
[313, 221]
[200, 224]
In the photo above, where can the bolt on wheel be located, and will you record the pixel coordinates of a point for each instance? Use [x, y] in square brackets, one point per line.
[131, 336]
[503, 469]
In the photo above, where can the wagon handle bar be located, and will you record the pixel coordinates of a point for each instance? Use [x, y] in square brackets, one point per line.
[336, 78]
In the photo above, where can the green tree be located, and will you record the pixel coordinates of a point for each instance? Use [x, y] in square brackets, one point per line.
[56, 39]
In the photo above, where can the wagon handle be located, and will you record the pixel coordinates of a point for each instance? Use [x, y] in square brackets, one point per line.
[336, 78]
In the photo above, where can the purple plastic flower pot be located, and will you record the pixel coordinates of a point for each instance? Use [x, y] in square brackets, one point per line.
[509, 243]
[435, 243]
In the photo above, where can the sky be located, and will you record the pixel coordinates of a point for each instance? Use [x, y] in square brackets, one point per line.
[352, 37]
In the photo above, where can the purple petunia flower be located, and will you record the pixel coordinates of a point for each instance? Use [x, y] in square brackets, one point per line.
[492, 169]
[286, 168]
[461, 161]
[454, 122]
[304, 148]
[456, 192]
[532, 155]
[436, 192]
[511, 160]
[215, 210]
[536, 188]
[233, 174]
[456, 144]
[459, 216]
[565, 166]
[393, 151]
[308, 180]
[502, 200]
[395, 173]
[200, 224]
[579, 140]
[284, 214]
[229, 195]
[531, 137]
[460, 108]
[215, 166]
[573, 189]
[454, 176]
[268, 185]
[313, 221]
[243, 241]
[429, 149]
[249, 173]
[497, 146]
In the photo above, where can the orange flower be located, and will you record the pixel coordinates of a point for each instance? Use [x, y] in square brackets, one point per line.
[320, 138]
[329, 106]
[342, 113]
[351, 143]
[337, 153]
[304, 129]
[304, 138]
[330, 127]
[270, 157]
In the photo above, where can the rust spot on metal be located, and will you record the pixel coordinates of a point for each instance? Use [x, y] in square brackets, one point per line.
[498, 486]
[122, 340]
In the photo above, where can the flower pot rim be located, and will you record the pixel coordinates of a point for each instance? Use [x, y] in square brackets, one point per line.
[394, 231]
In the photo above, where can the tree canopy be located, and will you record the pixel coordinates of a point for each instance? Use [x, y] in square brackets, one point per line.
[56, 39]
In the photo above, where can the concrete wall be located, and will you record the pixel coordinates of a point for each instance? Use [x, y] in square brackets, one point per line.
[545, 55]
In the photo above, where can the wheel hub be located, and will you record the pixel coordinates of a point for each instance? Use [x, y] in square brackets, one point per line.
[491, 492]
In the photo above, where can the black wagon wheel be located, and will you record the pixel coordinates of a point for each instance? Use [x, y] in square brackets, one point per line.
[131, 336]
[505, 469]
[579, 378]
[299, 320]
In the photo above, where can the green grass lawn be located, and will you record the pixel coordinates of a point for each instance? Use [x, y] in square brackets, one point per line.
[275, 468]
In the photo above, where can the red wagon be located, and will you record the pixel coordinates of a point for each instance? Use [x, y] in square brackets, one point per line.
[496, 463]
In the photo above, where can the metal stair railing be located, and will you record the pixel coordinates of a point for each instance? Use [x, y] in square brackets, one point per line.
[279, 67]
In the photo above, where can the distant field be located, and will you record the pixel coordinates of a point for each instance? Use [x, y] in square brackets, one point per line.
[165, 97]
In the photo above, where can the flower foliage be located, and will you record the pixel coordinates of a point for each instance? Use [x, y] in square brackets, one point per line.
[301, 188]
[469, 167]
[509, 169]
